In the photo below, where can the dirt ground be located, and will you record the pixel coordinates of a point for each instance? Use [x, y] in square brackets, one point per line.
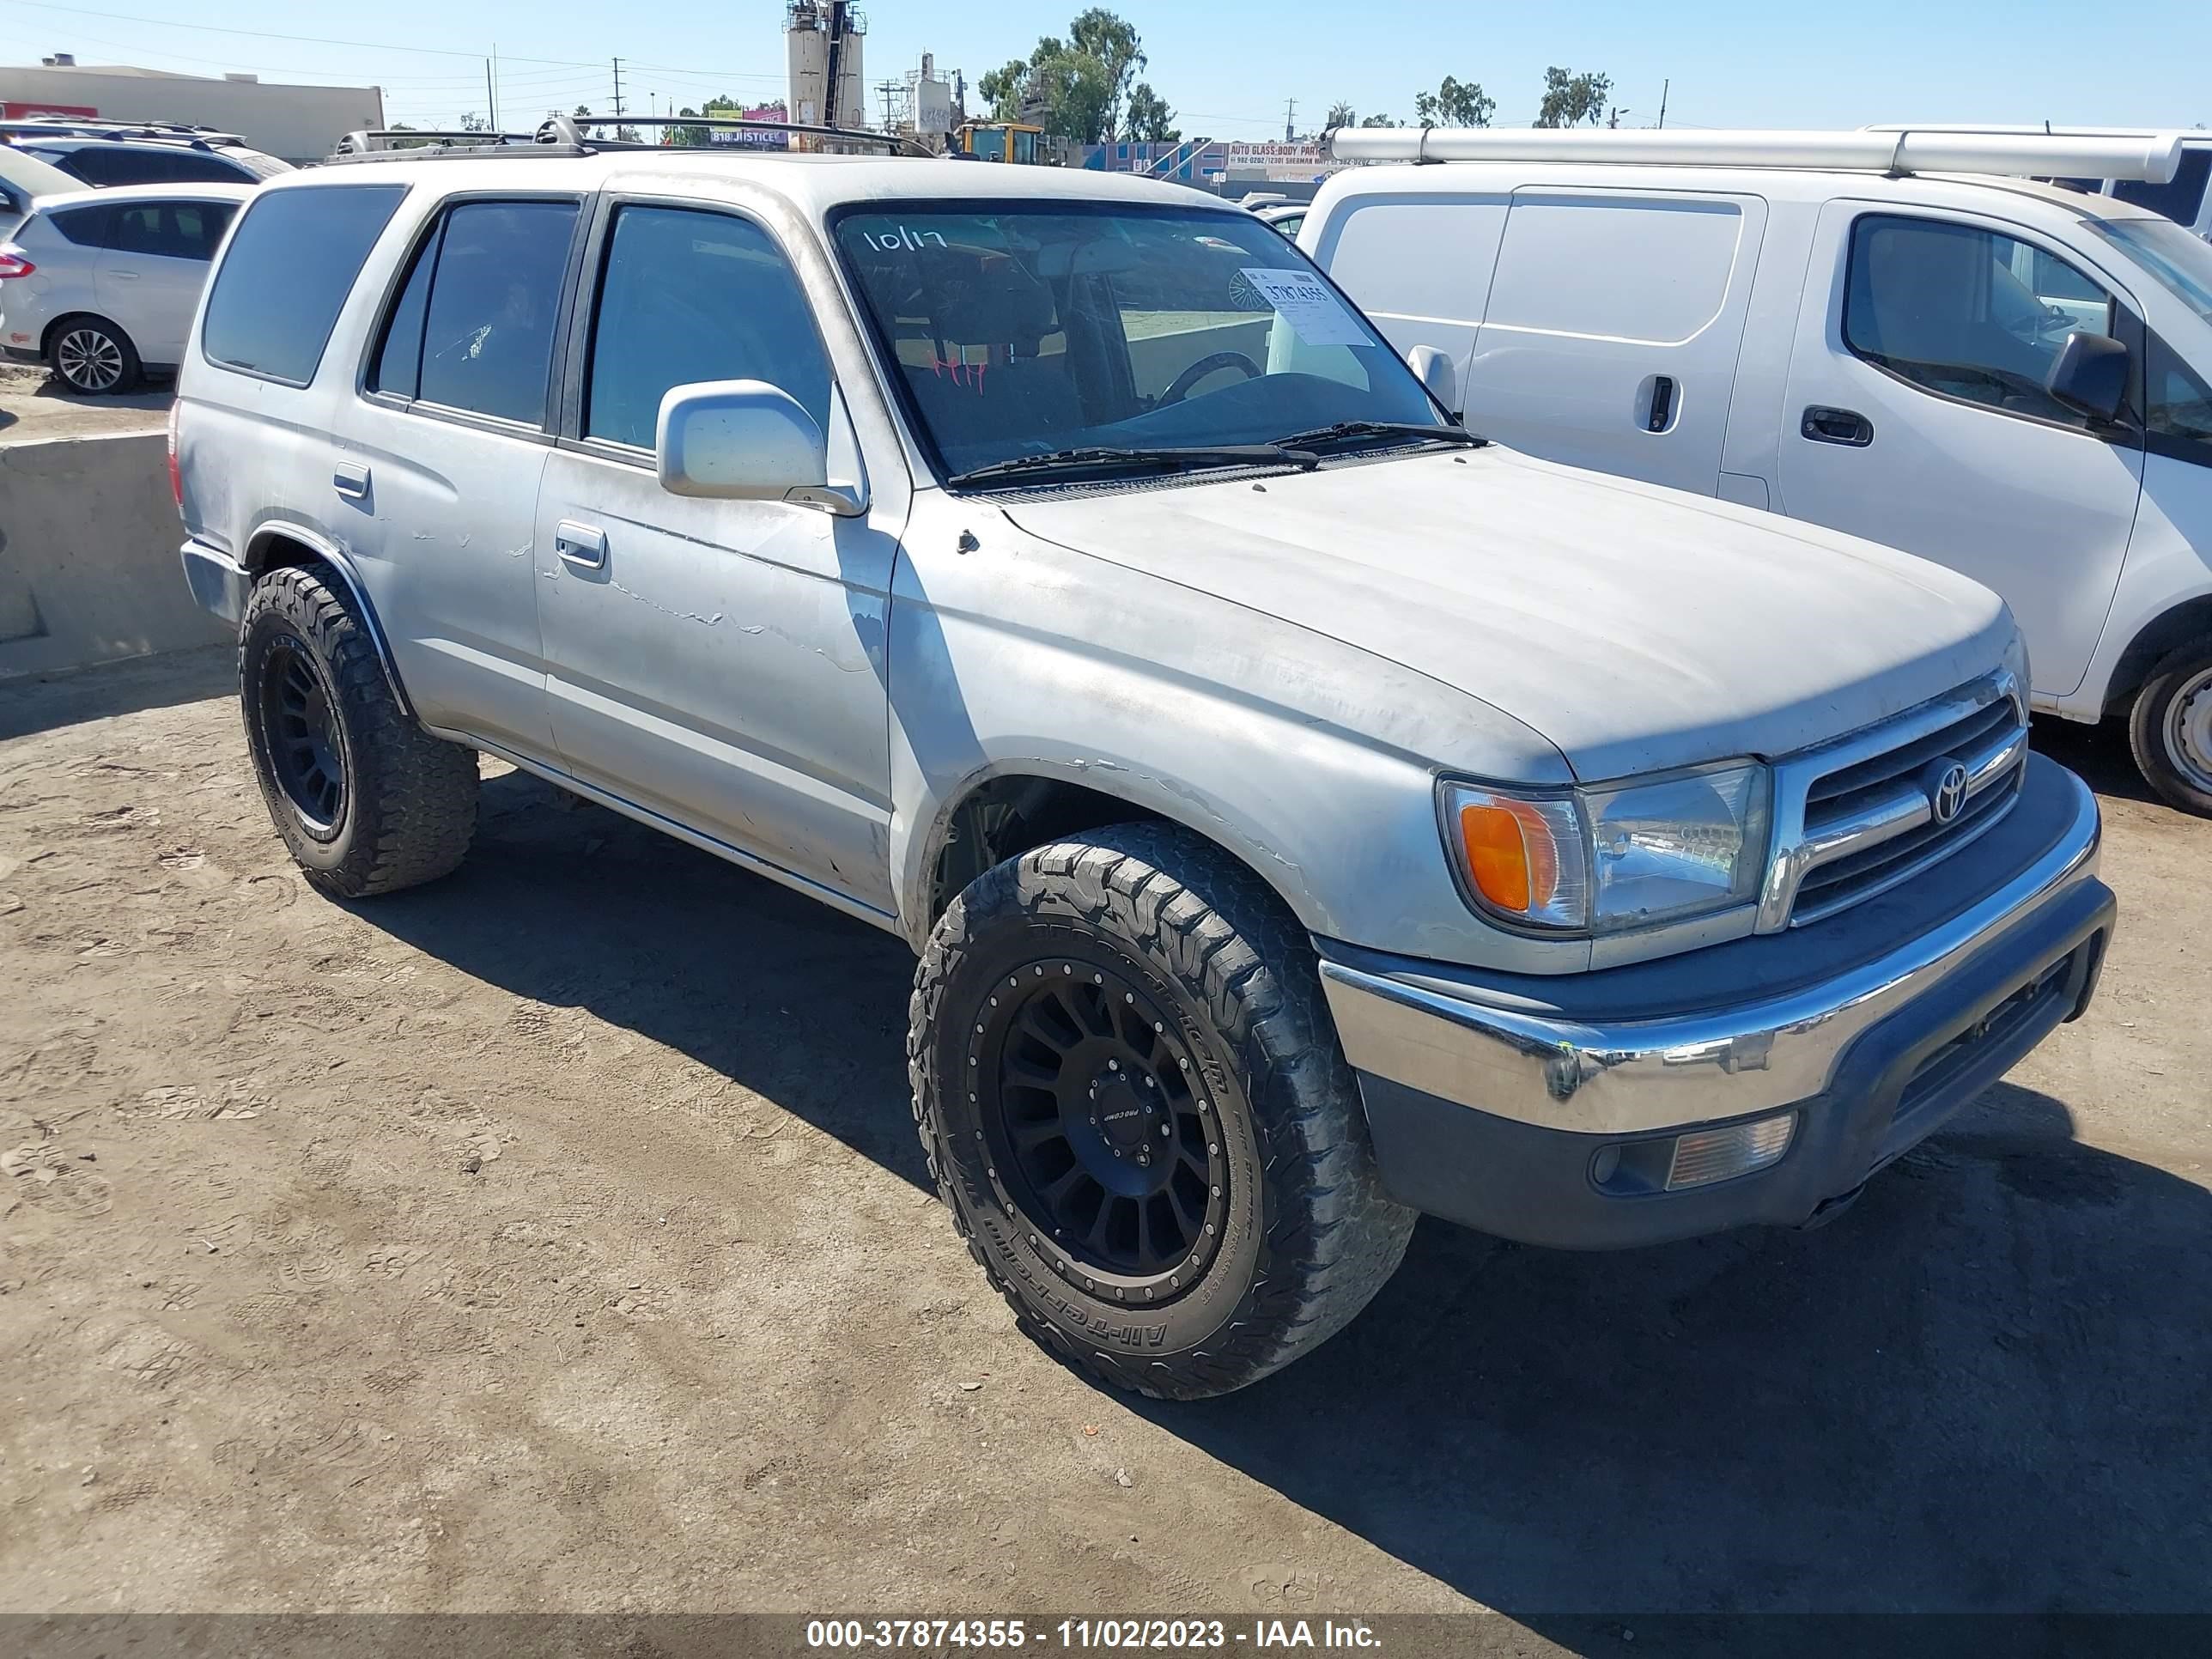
[32, 405]
[553, 1238]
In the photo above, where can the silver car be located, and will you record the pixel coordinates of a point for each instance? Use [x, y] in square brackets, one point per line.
[100, 286]
[1305, 813]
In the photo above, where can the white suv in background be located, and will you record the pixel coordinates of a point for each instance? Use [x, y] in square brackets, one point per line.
[101, 285]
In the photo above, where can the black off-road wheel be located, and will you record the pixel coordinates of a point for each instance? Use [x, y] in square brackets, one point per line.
[366, 800]
[2170, 727]
[1134, 1104]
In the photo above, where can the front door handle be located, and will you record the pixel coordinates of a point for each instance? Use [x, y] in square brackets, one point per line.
[351, 481]
[1846, 427]
[582, 544]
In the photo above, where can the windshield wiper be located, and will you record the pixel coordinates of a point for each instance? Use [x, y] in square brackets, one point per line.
[1446, 434]
[1102, 458]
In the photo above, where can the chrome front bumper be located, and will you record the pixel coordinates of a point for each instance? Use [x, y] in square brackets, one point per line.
[1596, 1076]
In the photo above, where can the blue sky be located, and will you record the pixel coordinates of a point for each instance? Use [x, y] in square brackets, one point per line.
[1227, 66]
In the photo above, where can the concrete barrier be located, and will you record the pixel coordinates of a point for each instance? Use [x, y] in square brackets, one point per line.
[88, 570]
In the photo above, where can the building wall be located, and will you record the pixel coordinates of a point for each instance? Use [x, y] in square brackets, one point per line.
[300, 124]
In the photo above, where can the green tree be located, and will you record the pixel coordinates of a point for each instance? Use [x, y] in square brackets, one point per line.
[1083, 88]
[1149, 120]
[1380, 120]
[1111, 43]
[1341, 114]
[1569, 99]
[1455, 104]
[1001, 88]
[689, 137]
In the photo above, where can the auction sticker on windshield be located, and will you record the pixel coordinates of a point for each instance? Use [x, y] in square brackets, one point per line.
[1305, 301]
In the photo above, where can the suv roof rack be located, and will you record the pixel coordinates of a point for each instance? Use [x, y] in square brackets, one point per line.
[421, 144]
[566, 135]
[575, 124]
[2152, 157]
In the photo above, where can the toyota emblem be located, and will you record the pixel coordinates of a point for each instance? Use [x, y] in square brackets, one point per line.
[1946, 783]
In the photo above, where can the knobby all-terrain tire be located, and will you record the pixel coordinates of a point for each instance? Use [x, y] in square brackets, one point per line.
[1309, 1237]
[2180, 673]
[410, 799]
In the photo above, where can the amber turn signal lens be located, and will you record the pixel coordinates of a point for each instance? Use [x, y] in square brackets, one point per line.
[1509, 854]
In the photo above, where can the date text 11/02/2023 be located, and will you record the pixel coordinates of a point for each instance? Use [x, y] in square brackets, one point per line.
[942, 1635]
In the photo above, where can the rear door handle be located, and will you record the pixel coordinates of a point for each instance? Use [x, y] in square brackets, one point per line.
[1661, 414]
[582, 544]
[351, 481]
[1846, 427]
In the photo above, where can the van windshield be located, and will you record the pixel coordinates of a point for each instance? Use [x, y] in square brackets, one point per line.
[2178, 261]
[1023, 331]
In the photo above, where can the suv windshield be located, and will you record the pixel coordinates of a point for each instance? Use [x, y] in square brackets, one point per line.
[2178, 261]
[1029, 328]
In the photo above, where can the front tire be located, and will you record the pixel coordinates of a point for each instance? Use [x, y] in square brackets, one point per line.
[366, 800]
[93, 355]
[1133, 1102]
[2170, 727]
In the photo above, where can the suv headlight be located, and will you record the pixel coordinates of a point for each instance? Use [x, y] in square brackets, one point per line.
[1615, 856]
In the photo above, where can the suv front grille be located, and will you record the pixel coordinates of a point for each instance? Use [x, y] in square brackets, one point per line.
[1868, 804]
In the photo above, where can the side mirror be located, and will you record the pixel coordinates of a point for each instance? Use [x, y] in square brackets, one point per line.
[1433, 368]
[2091, 375]
[742, 440]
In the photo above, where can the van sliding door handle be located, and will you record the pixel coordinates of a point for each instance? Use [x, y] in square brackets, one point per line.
[1846, 427]
[1662, 413]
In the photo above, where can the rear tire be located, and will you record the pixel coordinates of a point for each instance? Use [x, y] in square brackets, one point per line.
[1177, 1007]
[93, 355]
[366, 800]
[2170, 727]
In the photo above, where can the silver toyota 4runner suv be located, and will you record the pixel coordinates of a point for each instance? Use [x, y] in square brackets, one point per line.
[1307, 816]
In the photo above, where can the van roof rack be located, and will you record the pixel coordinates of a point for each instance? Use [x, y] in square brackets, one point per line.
[2151, 157]
[568, 134]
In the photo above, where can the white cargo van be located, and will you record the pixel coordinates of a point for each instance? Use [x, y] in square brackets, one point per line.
[2007, 377]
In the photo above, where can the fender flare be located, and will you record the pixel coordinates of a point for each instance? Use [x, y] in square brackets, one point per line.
[326, 552]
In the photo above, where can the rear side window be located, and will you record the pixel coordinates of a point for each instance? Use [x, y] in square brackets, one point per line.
[86, 226]
[279, 289]
[169, 230]
[153, 164]
[488, 329]
[688, 296]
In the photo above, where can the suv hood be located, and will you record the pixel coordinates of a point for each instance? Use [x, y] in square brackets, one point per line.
[1637, 628]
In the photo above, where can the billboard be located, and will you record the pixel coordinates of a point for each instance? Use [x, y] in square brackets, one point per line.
[747, 138]
[1302, 160]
